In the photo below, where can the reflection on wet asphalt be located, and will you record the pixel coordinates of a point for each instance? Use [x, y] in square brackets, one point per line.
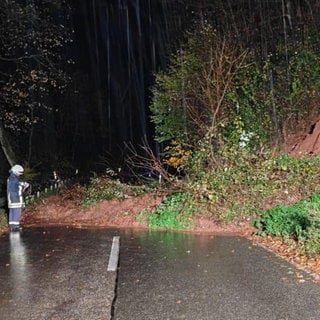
[56, 274]
[18, 266]
[60, 273]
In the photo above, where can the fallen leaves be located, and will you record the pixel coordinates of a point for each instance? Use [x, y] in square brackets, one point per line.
[291, 254]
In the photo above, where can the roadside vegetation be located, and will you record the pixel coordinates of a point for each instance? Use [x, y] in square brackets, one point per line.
[279, 195]
[297, 225]
[221, 115]
[221, 118]
[107, 188]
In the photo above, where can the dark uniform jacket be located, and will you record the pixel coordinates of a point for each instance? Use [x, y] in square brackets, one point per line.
[14, 191]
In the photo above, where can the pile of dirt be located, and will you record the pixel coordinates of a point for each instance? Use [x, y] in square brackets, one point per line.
[119, 213]
[305, 142]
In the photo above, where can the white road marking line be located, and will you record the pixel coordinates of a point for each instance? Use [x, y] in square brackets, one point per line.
[114, 254]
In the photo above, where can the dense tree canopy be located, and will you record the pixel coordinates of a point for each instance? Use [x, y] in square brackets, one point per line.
[34, 60]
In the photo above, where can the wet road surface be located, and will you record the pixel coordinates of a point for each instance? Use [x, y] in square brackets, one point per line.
[56, 274]
[62, 274]
[181, 276]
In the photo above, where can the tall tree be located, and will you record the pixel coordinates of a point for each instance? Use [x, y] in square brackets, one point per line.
[33, 38]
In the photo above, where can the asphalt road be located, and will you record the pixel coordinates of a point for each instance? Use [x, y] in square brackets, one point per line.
[63, 274]
[56, 274]
[181, 276]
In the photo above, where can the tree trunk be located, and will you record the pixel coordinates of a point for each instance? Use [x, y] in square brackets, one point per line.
[6, 147]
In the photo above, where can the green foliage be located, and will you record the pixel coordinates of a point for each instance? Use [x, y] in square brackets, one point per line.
[189, 99]
[304, 68]
[249, 105]
[105, 188]
[302, 173]
[226, 120]
[170, 92]
[300, 222]
[239, 182]
[249, 122]
[284, 221]
[311, 243]
[292, 80]
[174, 213]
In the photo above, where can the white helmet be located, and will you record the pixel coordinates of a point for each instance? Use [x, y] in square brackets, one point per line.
[17, 170]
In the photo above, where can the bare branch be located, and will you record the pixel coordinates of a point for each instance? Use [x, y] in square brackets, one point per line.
[151, 162]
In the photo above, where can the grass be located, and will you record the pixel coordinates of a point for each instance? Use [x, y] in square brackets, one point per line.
[174, 213]
[299, 223]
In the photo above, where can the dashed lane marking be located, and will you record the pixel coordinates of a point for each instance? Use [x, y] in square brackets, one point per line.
[114, 254]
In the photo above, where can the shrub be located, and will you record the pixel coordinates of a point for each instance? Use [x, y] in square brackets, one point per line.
[284, 221]
[174, 213]
[300, 222]
[105, 188]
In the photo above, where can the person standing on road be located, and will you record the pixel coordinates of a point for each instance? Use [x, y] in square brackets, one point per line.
[15, 189]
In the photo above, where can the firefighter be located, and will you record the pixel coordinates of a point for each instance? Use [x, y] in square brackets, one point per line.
[15, 189]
